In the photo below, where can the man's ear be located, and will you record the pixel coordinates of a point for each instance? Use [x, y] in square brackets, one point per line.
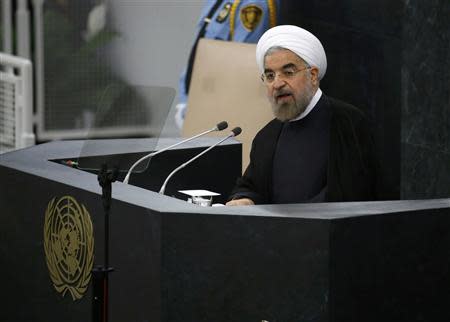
[315, 75]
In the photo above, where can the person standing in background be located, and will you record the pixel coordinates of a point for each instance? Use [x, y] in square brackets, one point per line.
[238, 20]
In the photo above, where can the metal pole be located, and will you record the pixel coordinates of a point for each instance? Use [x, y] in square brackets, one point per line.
[7, 26]
[23, 29]
[38, 14]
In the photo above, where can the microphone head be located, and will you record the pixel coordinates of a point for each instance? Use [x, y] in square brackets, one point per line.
[236, 131]
[221, 126]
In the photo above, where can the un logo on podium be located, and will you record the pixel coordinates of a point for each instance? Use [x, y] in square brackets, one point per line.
[69, 246]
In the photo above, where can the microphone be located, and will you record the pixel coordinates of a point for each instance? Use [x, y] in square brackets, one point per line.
[219, 127]
[234, 132]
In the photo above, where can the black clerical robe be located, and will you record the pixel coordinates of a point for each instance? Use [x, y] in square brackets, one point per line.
[352, 162]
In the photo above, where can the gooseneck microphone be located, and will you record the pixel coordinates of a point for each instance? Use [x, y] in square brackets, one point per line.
[219, 127]
[235, 132]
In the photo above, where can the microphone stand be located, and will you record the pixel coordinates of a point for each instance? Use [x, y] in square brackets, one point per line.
[235, 132]
[219, 127]
[100, 273]
[106, 177]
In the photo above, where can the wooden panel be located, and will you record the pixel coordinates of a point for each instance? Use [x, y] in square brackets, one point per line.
[226, 85]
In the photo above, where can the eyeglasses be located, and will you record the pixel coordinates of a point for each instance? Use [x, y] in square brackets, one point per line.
[287, 73]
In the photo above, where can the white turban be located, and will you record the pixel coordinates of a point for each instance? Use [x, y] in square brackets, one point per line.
[296, 39]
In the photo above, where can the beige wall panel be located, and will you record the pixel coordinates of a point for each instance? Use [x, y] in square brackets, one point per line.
[226, 85]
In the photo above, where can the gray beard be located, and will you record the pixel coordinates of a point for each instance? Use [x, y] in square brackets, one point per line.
[289, 111]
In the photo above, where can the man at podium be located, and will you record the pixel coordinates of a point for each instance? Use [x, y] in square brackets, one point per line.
[316, 149]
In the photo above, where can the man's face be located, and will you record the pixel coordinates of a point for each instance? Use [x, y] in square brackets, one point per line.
[290, 83]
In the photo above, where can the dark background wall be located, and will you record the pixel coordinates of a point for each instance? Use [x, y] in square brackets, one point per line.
[425, 96]
[391, 59]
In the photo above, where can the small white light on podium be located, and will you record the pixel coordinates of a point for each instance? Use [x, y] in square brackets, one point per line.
[200, 197]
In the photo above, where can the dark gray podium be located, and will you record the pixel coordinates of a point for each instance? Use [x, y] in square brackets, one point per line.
[174, 261]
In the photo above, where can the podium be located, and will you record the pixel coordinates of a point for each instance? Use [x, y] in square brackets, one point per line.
[175, 261]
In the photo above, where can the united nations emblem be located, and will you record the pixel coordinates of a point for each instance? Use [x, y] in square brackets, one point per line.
[251, 16]
[69, 246]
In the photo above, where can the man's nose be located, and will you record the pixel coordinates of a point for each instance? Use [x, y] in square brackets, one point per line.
[279, 82]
